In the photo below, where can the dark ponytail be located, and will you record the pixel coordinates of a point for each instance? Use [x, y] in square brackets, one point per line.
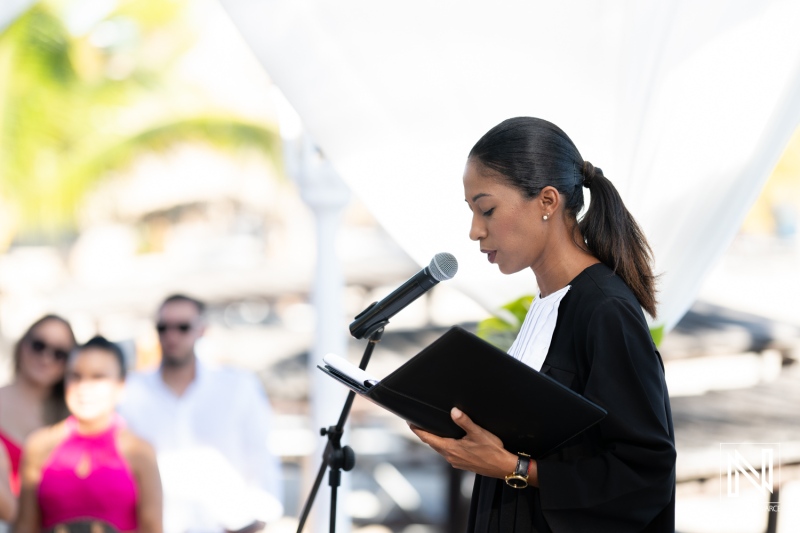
[613, 236]
[532, 154]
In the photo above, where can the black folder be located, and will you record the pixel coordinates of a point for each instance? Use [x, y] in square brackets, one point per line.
[529, 411]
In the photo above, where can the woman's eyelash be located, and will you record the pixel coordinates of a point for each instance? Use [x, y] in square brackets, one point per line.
[489, 212]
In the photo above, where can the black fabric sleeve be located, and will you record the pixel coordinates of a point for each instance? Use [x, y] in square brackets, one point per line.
[628, 479]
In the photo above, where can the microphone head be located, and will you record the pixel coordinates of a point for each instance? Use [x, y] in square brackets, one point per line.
[443, 266]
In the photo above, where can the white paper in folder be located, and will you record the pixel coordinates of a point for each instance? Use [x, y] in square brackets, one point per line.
[348, 370]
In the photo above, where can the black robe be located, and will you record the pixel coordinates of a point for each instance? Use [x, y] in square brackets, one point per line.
[618, 476]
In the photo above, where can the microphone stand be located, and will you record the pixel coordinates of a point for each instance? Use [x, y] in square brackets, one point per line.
[336, 456]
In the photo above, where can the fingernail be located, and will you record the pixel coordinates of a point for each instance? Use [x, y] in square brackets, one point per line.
[456, 412]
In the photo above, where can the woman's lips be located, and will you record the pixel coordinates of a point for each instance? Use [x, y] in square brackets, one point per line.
[490, 254]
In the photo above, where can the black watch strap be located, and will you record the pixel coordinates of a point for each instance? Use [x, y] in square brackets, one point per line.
[519, 478]
[523, 461]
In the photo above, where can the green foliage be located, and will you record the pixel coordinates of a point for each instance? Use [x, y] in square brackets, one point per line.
[77, 104]
[657, 333]
[503, 328]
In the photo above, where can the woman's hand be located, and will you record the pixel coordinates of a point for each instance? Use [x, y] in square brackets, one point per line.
[478, 451]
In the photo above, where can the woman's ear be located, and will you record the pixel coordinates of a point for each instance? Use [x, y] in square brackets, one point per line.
[549, 200]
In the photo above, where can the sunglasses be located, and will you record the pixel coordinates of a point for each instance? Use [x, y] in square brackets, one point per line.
[183, 327]
[41, 348]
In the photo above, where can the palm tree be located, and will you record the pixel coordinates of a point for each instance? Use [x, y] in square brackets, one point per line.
[71, 107]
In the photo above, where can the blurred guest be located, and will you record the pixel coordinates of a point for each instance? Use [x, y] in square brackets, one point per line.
[8, 500]
[35, 396]
[210, 428]
[90, 467]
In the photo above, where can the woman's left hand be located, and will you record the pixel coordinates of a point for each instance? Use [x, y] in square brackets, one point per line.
[478, 451]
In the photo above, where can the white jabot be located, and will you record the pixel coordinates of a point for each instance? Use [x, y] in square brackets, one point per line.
[533, 340]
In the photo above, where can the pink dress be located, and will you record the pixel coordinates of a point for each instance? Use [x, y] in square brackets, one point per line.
[14, 454]
[86, 477]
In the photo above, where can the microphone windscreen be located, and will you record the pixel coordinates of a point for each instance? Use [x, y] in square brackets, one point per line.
[443, 266]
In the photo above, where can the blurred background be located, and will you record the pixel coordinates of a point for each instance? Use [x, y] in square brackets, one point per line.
[141, 155]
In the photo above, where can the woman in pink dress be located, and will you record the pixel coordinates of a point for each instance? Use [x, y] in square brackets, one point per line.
[90, 468]
[35, 396]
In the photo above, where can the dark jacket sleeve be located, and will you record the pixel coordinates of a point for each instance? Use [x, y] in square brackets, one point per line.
[625, 478]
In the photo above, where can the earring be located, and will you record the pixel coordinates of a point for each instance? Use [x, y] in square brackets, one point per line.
[545, 217]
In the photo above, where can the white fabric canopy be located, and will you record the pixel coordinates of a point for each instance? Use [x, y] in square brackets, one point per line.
[686, 105]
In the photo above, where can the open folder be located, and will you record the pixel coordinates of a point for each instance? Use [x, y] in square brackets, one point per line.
[529, 411]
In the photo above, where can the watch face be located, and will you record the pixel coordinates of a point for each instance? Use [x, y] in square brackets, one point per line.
[518, 482]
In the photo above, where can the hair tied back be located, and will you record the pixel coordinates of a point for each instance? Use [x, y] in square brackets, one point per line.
[589, 172]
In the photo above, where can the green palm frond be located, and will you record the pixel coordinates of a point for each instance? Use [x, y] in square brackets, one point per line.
[222, 132]
[225, 133]
[85, 165]
[62, 103]
[502, 329]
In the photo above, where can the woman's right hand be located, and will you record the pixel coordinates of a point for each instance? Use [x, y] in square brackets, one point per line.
[478, 451]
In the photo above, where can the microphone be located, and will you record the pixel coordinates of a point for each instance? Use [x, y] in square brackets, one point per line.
[443, 266]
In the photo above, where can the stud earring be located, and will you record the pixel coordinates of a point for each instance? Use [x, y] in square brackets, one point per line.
[545, 217]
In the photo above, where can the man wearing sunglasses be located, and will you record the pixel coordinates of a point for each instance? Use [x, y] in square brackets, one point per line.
[210, 427]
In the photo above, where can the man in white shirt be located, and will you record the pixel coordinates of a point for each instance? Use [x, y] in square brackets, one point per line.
[210, 427]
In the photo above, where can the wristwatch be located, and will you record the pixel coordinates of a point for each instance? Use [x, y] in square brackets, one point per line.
[519, 478]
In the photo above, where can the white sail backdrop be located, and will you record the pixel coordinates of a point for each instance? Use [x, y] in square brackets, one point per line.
[686, 105]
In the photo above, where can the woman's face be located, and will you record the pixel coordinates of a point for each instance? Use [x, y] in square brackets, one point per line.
[93, 384]
[44, 353]
[508, 226]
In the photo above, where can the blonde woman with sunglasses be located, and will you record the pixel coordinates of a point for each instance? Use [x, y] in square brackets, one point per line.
[35, 396]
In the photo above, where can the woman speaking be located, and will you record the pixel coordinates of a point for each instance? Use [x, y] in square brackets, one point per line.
[524, 183]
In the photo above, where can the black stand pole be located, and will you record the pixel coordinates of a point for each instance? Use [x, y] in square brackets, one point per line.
[336, 456]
